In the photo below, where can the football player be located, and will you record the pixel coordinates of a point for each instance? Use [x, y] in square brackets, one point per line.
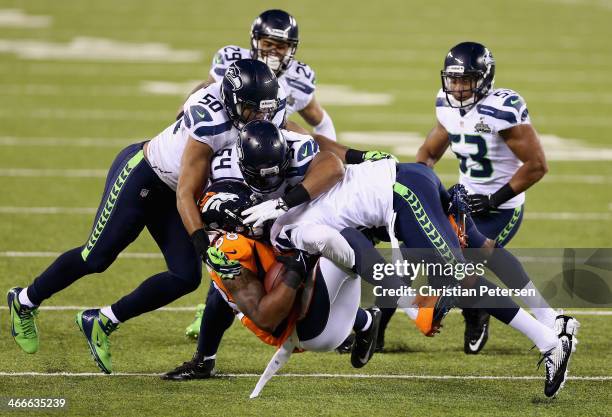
[144, 186]
[274, 41]
[408, 199]
[315, 306]
[500, 157]
[273, 163]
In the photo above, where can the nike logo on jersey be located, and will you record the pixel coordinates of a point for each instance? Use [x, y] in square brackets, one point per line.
[233, 252]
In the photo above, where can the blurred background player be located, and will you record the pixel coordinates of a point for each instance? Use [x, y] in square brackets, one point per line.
[274, 41]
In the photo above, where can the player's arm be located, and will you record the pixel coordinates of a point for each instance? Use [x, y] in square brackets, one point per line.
[325, 170]
[434, 146]
[348, 155]
[267, 311]
[524, 143]
[317, 117]
[195, 169]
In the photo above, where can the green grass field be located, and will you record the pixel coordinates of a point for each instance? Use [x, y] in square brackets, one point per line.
[67, 108]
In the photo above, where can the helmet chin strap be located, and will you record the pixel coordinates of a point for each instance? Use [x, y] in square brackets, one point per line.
[463, 103]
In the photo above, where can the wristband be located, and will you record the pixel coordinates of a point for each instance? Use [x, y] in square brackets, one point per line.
[353, 156]
[296, 196]
[200, 241]
[502, 195]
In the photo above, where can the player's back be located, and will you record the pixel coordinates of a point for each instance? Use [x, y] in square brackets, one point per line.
[302, 150]
[204, 117]
[364, 197]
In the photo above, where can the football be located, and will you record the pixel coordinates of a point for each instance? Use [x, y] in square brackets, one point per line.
[274, 276]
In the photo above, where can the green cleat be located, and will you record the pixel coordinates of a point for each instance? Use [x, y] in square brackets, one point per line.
[23, 322]
[193, 330]
[96, 328]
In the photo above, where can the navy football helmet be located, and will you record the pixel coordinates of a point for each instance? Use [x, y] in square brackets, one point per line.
[263, 156]
[468, 74]
[249, 91]
[223, 202]
[279, 26]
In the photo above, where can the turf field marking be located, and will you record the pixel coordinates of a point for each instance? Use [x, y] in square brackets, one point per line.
[561, 216]
[97, 49]
[296, 375]
[192, 308]
[328, 94]
[16, 18]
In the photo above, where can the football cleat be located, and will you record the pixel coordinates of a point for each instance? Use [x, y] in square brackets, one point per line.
[23, 322]
[196, 368]
[365, 342]
[476, 330]
[193, 330]
[96, 328]
[569, 326]
[347, 345]
[556, 361]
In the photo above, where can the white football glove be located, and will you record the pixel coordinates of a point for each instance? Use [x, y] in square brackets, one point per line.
[262, 212]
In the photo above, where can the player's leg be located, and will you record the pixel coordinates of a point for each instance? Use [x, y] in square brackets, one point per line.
[118, 222]
[217, 318]
[507, 268]
[162, 220]
[501, 227]
[184, 265]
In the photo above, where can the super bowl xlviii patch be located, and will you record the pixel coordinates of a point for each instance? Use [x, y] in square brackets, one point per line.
[482, 127]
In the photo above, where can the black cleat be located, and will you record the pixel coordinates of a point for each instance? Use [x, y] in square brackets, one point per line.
[556, 361]
[347, 345]
[365, 342]
[196, 368]
[476, 330]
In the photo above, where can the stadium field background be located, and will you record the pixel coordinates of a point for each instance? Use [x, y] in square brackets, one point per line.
[79, 80]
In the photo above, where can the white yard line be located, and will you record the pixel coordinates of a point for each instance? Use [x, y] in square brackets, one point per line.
[192, 308]
[298, 375]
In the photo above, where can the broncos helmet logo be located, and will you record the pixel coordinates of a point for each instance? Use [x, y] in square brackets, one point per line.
[213, 200]
[233, 76]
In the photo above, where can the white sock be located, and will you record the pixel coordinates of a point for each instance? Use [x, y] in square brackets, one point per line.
[108, 312]
[543, 337]
[23, 298]
[411, 312]
[210, 357]
[539, 307]
[368, 323]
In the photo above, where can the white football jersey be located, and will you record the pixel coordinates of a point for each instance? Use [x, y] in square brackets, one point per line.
[205, 120]
[298, 80]
[486, 162]
[302, 150]
[364, 198]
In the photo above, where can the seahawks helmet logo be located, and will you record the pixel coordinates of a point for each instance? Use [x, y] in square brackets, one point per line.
[233, 76]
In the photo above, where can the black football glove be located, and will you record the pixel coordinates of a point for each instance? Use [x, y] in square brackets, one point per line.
[480, 204]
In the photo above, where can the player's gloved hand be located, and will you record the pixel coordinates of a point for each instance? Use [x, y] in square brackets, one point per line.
[296, 268]
[268, 210]
[459, 201]
[218, 261]
[378, 155]
[480, 204]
